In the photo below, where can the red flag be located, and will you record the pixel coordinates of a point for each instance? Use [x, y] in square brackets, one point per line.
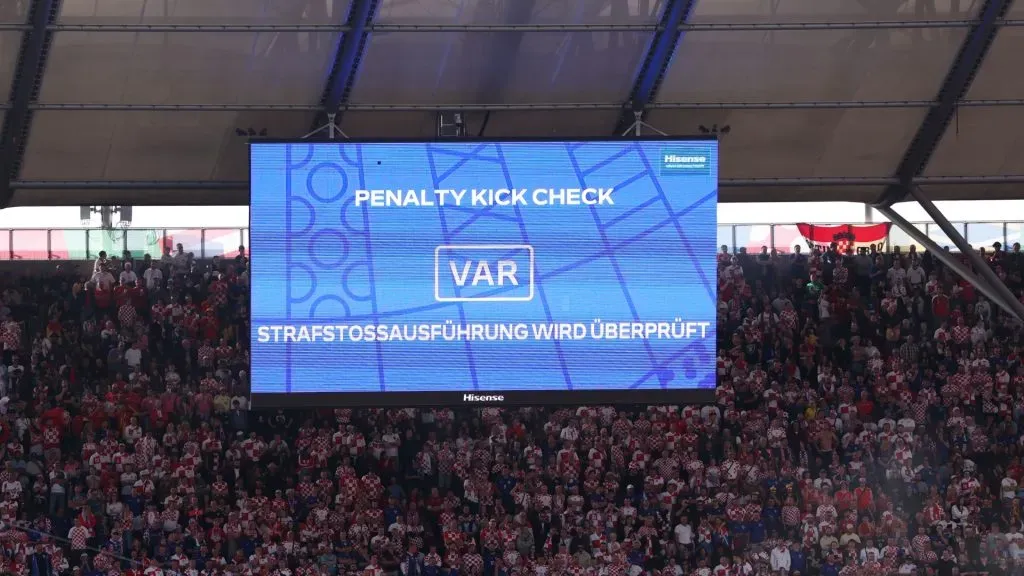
[847, 236]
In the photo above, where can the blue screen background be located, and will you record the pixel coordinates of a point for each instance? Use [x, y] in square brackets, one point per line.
[318, 258]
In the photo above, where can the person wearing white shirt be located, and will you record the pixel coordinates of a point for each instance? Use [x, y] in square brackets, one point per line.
[12, 488]
[103, 279]
[979, 334]
[897, 274]
[180, 260]
[780, 558]
[153, 276]
[133, 356]
[707, 411]
[824, 307]
[391, 441]
[128, 276]
[684, 533]
[959, 512]
[916, 275]
[101, 262]
[869, 552]
[1008, 488]
[724, 567]
[1016, 546]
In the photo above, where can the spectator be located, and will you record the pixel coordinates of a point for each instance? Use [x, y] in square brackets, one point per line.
[102, 277]
[128, 275]
[153, 277]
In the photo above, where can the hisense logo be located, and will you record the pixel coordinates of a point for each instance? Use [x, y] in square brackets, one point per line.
[676, 159]
[686, 159]
[482, 398]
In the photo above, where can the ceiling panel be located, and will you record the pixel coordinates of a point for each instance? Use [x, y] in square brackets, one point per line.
[204, 11]
[999, 76]
[145, 197]
[187, 68]
[799, 193]
[790, 143]
[12, 12]
[511, 124]
[792, 11]
[10, 44]
[981, 142]
[441, 12]
[808, 66]
[499, 68]
[149, 145]
[985, 191]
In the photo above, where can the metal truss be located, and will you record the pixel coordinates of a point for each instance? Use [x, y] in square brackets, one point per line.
[1007, 298]
[469, 28]
[1011, 306]
[535, 107]
[345, 66]
[25, 84]
[954, 87]
[725, 183]
[675, 14]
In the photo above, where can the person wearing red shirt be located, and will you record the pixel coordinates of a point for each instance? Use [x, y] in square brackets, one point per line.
[139, 297]
[864, 496]
[843, 498]
[865, 406]
[940, 307]
[102, 299]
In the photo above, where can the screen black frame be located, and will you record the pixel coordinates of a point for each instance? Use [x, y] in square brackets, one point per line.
[617, 397]
[307, 400]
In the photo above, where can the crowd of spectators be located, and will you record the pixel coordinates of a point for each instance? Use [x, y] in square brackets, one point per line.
[866, 423]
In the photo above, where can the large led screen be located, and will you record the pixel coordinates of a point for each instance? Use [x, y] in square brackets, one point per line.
[461, 271]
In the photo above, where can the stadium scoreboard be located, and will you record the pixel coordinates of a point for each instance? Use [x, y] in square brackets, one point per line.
[483, 272]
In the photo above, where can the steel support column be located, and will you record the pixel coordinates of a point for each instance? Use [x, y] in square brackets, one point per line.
[28, 76]
[346, 60]
[659, 54]
[950, 261]
[958, 80]
[980, 265]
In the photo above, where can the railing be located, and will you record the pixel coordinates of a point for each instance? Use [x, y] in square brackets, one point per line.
[782, 237]
[86, 243]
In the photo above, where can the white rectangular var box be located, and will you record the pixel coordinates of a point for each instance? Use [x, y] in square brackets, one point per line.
[484, 273]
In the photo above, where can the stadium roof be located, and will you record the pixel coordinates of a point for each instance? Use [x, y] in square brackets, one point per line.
[149, 101]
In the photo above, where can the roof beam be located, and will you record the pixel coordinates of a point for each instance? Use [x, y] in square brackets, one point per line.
[954, 88]
[346, 60]
[659, 54]
[236, 192]
[28, 77]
